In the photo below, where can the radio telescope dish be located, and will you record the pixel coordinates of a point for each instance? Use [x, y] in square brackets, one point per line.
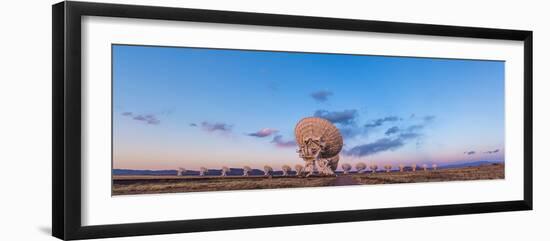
[319, 141]
[319, 129]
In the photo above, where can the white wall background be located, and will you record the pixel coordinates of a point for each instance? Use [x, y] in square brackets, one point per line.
[25, 118]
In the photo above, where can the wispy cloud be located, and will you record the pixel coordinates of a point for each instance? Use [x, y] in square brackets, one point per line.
[392, 130]
[381, 121]
[414, 128]
[193, 124]
[150, 119]
[486, 152]
[404, 135]
[409, 135]
[492, 152]
[216, 127]
[263, 132]
[429, 118]
[321, 95]
[345, 117]
[279, 142]
[379, 145]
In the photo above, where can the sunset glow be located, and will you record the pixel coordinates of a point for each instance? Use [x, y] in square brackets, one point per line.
[193, 107]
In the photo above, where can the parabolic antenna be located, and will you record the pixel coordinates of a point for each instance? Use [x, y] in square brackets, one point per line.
[319, 142]
[315, 128]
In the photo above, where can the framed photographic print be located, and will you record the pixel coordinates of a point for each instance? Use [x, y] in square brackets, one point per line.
[169, 120]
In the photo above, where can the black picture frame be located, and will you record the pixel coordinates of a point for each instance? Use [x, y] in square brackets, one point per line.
[66, 75]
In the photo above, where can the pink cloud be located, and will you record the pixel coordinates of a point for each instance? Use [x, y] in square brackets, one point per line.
[263, 132]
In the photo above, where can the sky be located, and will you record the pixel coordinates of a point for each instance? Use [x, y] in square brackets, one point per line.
[191, 107]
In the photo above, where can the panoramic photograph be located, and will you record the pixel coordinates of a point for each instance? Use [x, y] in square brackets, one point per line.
[200, 119]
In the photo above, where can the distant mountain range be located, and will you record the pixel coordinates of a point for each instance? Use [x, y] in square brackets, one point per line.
[211, 172]
[258, 172]
[470, 164]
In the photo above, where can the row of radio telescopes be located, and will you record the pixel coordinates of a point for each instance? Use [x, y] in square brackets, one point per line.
[299, 169]
[319, 145]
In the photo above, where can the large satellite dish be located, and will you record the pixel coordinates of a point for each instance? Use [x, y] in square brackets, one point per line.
[316, 128]
[319, 142]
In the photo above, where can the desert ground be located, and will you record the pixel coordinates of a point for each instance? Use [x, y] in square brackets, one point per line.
[149, 184]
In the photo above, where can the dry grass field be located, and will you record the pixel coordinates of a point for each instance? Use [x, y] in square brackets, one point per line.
[126, 185]
[444, 175]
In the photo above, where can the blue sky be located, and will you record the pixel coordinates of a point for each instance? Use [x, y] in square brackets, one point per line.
[195, 107]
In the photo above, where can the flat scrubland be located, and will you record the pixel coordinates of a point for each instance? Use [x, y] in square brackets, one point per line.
[444, 175]
[128, 184]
